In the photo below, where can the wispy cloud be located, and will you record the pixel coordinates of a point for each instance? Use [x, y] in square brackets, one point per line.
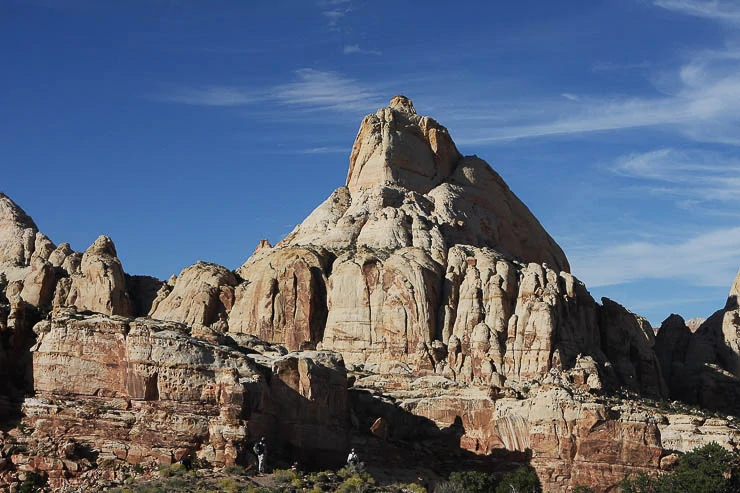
[691, 176]
[327, 90]
[311, 89]
[703, 103]
[324, 150]
[211, 96]
[606, 66]
[703, 260]
[569, 96]
[720, 10]
[334, 11]
[350, 49]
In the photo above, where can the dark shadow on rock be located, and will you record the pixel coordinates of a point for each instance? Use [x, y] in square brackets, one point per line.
[16, 365]
[416, 442]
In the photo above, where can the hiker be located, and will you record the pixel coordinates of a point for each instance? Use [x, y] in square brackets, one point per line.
[352, 458]
[259, 450]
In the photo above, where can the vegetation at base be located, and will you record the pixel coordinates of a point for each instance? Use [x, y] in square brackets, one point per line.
[707, 469]
[34, 482]
[520, 480]
[235, 479]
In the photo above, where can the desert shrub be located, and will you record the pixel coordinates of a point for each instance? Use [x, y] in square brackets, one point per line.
[449, 487]
[34, 482]
[474, 481]
[319, 477]
[582, 489]
[283, 476]
[412, 488]
[521, 480]
[354, 484]
[228, 485]
[707, 469]
[234, 469]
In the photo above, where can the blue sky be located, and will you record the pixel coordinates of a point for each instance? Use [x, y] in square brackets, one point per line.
[189, 130]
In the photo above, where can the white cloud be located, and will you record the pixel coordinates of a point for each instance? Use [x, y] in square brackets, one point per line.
[700, 174]
[569, 96]
[719, 10]
[350, 49]
[318, 89]
[606, 66]
[210, 96]
[704, 104]
[333, 16]
[311, 89]
[324, 150]
[704, 260]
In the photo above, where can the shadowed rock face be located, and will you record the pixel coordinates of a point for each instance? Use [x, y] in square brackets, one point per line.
[704, 364]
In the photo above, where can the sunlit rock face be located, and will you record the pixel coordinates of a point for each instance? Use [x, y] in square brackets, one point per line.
[452, 306]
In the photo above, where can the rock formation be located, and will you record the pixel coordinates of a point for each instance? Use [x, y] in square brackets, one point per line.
[201, 293]
[704, 364]
[142, 391]
[454, 309]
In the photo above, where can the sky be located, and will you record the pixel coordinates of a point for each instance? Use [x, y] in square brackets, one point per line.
[189, 130]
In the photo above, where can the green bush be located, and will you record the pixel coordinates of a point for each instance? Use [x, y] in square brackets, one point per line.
[707, 469]
[234, 469]
[449, 487]
[355, 484]
[521, 480]
[474, 481]
[283, 476]
[34, 482]
[413, 488]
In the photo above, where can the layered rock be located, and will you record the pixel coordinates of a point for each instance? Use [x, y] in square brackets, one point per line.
[143, 391]
[425, 269]
[570, 437]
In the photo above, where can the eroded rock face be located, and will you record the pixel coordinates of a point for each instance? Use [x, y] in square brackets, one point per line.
[146, 392]
[203, 292]
[704, 362]
[283, 296]
[572, 438]
[17, 239]
[100, 284]
[381, 309]
[395, 145]
[628, 342]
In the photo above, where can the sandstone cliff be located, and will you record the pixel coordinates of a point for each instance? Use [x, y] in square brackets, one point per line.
[453, 307]
[144, 392]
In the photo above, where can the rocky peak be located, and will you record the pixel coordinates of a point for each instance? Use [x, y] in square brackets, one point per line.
[103, 245]
[402, 103]
[17, 233]
[735, 289]
[395, 146]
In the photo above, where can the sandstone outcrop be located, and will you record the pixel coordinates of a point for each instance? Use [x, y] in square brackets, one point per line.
[145, 392]
[453, 307]
[201, 294]
[704, 363]
[283, 296]
[100, 284]
[570, 436]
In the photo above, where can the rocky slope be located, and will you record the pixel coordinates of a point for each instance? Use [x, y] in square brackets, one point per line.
[452, 307]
